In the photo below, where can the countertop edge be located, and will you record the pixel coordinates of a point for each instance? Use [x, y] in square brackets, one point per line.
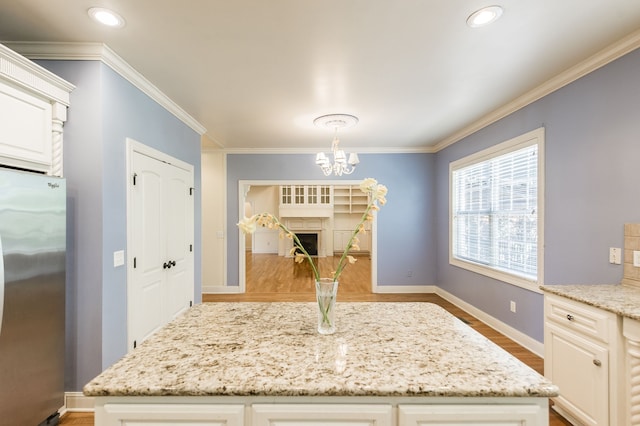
[592, 294]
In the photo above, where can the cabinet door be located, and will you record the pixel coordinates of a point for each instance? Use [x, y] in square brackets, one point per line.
[321, 415]
[25, 129]
[480, 415]
[170, 414]
[580, 368]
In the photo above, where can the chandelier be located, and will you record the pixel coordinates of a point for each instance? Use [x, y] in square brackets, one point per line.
[341, 165]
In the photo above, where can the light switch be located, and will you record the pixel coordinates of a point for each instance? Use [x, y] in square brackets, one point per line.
[118, 258]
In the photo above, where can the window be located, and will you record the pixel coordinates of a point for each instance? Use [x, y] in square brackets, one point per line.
[496, 211]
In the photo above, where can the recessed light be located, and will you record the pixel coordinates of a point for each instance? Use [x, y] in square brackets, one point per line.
[106, 17]
[484, 16]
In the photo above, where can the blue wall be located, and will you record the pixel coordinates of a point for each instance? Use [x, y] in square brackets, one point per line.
[105, 110]
[405, 224]
[592, 154]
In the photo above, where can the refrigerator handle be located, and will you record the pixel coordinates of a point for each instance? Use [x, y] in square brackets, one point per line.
[1, 283]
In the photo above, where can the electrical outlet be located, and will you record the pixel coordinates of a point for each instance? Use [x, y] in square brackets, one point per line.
[615, 255]
[512, 306]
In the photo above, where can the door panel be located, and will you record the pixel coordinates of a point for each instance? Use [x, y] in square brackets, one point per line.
[161, 281]
[179, 241]
[145, 317]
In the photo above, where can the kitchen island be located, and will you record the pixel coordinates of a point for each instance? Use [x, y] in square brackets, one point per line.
[264, 364]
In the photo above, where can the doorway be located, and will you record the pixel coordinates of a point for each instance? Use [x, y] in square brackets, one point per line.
[266, 266]
[160, 236]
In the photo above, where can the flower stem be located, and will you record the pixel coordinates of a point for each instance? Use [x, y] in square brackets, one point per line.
[342, 263]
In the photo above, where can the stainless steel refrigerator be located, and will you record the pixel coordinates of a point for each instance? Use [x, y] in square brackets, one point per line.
[32, 297]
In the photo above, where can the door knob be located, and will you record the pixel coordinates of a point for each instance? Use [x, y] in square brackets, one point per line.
[597, 362]
[166, 265]
[172, 263]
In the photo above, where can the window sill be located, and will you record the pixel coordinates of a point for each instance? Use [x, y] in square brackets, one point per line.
[498, 275]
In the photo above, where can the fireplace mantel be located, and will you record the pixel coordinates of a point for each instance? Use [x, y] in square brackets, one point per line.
[317, 225]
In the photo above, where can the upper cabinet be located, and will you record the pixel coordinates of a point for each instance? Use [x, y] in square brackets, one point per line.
[33, 109]
[306, 201]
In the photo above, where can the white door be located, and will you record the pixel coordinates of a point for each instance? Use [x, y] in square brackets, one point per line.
[160, 281]
[179, 241]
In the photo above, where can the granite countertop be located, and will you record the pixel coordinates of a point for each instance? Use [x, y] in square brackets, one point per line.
[620, 299]
[273, 349]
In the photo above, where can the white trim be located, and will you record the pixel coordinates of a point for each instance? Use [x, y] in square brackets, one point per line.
[534, 137]
[517, 336]
[77, 402]
[314, 150]
[32, 77]
[102, 52]
[600, 59]
[221, 289]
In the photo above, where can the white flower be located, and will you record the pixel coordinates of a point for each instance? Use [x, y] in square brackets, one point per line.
[248, 224]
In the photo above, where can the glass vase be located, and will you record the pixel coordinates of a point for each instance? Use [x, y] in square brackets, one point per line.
[326, 291]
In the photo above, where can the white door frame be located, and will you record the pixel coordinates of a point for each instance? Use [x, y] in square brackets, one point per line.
[133, 146]
[243, 188]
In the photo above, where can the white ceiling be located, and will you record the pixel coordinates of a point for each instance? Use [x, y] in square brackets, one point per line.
[255, 73]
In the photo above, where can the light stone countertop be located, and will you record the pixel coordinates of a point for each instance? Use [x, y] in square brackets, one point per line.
[619, 299]
[273, 349]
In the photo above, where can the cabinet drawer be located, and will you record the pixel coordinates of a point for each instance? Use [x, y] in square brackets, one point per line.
[579, 317]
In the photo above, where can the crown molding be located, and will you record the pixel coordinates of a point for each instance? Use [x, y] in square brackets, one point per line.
[362, 150]
[31, 76]
[600, 59]
[101, 52]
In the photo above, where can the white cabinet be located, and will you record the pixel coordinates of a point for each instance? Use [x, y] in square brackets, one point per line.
[341, 238]
[582, 351]
[321, 414]
[33, 109]
[170, 414]
[349, 199]
[631, 331]
[305, 201]
[471, 415]
[303, 411]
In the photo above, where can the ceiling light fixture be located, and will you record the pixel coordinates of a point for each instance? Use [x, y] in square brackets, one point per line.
[484, 16]
[340, 164]
[106, 17]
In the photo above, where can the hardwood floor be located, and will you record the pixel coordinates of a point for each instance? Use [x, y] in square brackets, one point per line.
[270, 278]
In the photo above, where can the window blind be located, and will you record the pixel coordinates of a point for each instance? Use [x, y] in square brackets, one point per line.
[494, 212]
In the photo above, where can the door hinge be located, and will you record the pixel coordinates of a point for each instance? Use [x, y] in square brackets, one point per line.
[135, 344]
[190, 247]
[135, 175]
[190, 303]
[134, 262]
[191, 190]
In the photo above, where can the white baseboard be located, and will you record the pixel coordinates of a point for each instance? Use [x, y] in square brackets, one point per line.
[404, 289]
[221, 289]
[517, 336]
[76, 402]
